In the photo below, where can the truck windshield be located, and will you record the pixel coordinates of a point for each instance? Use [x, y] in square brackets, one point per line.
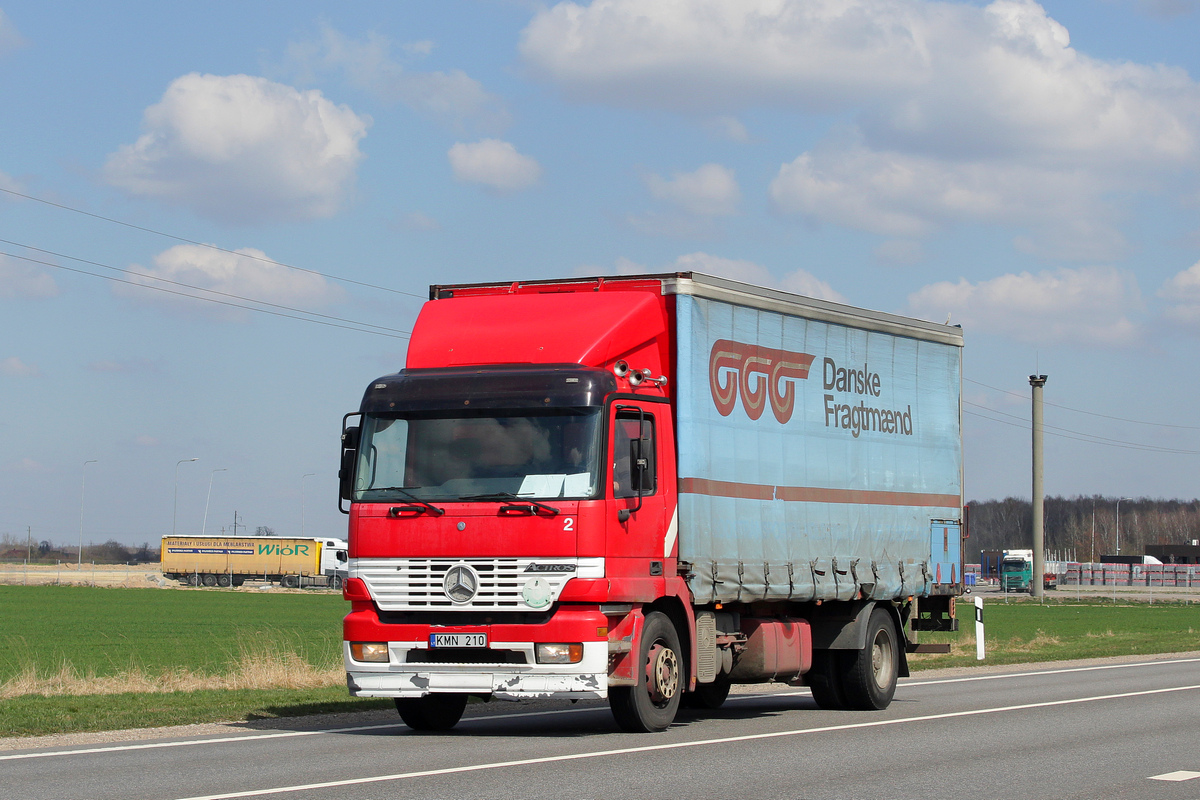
[1013, 566]
[454, 456]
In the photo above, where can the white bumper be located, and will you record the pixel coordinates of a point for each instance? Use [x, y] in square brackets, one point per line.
[397, 678]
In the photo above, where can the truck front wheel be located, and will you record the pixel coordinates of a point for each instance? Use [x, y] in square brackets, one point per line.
[869, 680]
[709, 695]
[433, 712]
[652, 704]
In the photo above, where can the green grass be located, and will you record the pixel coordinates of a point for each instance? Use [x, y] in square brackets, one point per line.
[109, 631]
[1024, 631]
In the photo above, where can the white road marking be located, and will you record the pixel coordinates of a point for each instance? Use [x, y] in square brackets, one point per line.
[678, 745]
[732, 698]
[1062, 671]
[1181, 775]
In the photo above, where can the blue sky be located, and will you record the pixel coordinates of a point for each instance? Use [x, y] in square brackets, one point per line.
[1033, 171]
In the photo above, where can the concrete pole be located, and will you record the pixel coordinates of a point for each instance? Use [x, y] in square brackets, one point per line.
[1039, 523]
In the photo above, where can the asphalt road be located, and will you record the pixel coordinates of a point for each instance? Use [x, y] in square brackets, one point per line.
[1081, 731]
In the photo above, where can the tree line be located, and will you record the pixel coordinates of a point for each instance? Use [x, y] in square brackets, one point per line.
[1078, 527]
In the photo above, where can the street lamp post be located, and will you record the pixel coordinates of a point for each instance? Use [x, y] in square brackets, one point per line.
[1119, 522]
[204, 525]
[82, 486]
[302, 514]
[175, 512]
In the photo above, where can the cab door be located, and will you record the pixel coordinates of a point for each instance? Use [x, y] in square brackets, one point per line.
[639, 488]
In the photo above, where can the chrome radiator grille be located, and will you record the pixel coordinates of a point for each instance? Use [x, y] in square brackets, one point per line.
[412, 584]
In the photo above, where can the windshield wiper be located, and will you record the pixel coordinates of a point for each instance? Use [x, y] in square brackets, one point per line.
[510, 496]
[424, 506]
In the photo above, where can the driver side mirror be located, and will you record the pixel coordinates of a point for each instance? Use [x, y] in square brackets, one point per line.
[350, 438]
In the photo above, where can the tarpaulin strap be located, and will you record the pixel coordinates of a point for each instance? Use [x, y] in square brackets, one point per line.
[741, 571]
[766, 579]
[791, 583]
[714, 580]
[812, 565]
[854, 574]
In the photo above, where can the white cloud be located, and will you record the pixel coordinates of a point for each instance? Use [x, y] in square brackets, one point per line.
[897, 194]
[452, 97]
[20, 279]
[246, 273]
[728, 128]
[16, 368]
[10, 37]
[243, 149]
[494, 164]
[710, 191]
[1089, 306]
[903, 252]
[26, 465]
[798, 282]
[125, 366]
[974, 110]
[1182, 292]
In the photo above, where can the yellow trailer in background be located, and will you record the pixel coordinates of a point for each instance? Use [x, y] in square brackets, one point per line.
[231, 561]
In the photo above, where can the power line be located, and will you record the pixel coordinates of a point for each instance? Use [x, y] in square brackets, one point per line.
[1093, 440]
[1089, 413]
[189, 286]
[1078, 433]
[210, 246]
[349, 327]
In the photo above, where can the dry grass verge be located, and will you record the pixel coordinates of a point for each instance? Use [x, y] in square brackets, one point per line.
[274, 669]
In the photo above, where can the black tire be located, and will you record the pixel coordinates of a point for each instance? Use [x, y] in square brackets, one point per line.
[433, 712]
[337, 582]
[709, 695]
[208, 580]
[869, 677]
[652, 704]
[193, 580]
[289, 581]
[224, 581]
[825, 680]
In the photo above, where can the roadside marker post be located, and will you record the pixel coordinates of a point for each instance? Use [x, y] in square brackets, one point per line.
[978, 628]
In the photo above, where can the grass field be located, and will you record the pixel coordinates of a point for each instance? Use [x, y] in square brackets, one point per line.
[77, 658]
[1023, 631]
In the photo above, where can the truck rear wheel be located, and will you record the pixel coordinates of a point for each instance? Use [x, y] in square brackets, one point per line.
[208, 580]
[869, 680]
[652, 704]
[224, 580]
[433, 712]
[289, 581]
[825, 680]
[193, 580]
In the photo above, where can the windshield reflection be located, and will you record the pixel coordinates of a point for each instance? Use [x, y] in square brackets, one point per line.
[537, 456]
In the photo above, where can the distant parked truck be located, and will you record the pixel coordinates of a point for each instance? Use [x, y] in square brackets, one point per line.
[222, 561]
[1016, 572]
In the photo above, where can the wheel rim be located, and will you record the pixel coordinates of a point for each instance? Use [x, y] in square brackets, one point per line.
[662, 674]
[881, 659]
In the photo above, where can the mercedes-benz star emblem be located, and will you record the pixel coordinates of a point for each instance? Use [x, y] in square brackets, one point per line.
[461, 583]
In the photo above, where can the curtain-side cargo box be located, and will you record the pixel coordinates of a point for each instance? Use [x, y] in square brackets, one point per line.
[820, 447]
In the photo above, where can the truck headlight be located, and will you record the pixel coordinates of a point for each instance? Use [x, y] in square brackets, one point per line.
[369, 651]
[560, 653]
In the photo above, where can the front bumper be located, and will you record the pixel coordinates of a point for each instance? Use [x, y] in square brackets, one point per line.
[397, 678]
[514, 674]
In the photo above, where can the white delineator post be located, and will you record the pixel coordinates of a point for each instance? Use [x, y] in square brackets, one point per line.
[978, 628]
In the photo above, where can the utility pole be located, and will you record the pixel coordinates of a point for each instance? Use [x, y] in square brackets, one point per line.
[28, 543]
[1039, 524]
[236, 523]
